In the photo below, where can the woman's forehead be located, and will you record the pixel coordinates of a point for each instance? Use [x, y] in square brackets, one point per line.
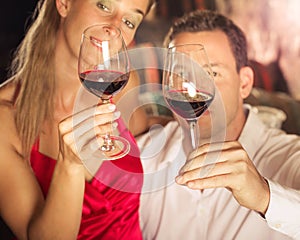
[137, 6]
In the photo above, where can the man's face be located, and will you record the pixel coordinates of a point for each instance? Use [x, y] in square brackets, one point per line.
[226, 78]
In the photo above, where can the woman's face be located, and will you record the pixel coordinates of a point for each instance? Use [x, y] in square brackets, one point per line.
[77, 15]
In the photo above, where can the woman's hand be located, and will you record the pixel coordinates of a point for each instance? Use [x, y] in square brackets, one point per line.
[226, 165]
[79, 132]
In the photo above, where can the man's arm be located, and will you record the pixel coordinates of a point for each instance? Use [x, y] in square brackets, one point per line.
[283, 213]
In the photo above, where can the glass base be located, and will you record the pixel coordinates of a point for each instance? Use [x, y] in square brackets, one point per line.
[116, 147]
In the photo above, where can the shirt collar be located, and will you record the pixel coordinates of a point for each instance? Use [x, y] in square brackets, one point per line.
[253, 134]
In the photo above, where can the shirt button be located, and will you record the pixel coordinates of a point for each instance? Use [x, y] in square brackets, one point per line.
[277, 225]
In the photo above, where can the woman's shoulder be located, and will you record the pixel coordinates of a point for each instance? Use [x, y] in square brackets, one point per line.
[8, 91]
[7, 109]
[8, 132]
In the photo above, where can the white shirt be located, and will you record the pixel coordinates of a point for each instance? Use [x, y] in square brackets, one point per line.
[171, 211]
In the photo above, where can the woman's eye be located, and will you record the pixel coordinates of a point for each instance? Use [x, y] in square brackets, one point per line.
[103, 7]
[128, 23]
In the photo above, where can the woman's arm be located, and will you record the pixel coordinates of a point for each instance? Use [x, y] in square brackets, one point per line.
[22, 205]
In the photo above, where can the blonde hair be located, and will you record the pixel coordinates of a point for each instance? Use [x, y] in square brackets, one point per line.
[33, 71]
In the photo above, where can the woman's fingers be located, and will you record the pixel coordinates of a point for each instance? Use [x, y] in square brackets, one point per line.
[79, 130]
[99, 124]
[97, 113]
[85, 138]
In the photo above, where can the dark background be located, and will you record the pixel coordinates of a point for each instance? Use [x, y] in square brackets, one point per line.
[14, 15]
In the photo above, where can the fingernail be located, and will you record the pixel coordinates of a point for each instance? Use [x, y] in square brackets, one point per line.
[111, 107]
[179, 179]
[117, 114]
[114, 125]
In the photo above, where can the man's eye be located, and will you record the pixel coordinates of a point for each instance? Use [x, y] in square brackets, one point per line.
[215, 74]
[183, 75]
[128, 23]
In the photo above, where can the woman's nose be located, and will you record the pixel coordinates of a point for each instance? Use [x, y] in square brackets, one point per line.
[111, 30]
[117, 21]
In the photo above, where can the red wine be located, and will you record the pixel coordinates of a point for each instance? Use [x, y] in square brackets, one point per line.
[104, 83]
[186, 106]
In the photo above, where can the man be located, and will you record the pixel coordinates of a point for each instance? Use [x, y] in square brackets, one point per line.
[243, 181]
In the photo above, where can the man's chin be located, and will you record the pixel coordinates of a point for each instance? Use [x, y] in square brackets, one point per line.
[211, 131]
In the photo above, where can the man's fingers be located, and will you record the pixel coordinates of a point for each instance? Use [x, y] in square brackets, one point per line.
[207, 171]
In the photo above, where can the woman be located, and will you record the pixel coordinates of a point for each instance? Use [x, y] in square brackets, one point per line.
[46, 192]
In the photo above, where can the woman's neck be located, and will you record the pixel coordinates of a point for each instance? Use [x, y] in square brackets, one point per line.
[67, 86]
[66, 79]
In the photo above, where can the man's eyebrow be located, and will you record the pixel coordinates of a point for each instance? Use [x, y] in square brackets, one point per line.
[217, 64]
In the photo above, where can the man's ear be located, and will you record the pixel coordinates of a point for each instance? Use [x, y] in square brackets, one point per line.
[247, 80]
[63, 7]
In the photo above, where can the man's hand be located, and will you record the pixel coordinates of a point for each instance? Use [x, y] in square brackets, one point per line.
[226, 165]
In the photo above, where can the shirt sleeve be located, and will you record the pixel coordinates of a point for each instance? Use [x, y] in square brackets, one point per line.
[283, 213]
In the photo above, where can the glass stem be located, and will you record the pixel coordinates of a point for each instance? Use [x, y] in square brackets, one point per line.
[108, 143]
[193, 132]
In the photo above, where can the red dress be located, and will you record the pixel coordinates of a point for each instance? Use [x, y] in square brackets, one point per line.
[110, 207]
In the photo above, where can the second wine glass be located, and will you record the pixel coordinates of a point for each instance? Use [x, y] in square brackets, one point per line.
[104, 71]
[188, 85]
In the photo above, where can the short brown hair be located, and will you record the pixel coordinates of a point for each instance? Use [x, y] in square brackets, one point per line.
[206, 20]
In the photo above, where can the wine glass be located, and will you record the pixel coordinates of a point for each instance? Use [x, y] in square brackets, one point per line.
[188, 85]
[103, 68]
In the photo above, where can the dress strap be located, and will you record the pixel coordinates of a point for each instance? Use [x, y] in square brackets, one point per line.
[36, 145]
